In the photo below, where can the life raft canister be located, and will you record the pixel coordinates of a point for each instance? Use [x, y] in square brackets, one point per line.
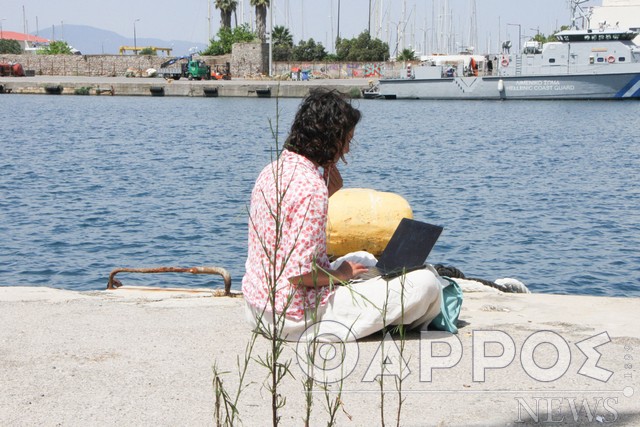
[611, 59]
[505, 61]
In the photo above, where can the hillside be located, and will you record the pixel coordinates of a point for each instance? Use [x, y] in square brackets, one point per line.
[95, 41]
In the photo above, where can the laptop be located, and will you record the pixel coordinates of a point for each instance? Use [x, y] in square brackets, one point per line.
[407, 250]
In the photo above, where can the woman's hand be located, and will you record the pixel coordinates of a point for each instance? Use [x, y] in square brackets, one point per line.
[348, 270]
[333, 178]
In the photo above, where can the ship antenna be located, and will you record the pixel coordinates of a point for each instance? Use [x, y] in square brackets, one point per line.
[578, 13]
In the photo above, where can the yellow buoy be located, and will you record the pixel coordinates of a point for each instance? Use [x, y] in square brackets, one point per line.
[363, 219]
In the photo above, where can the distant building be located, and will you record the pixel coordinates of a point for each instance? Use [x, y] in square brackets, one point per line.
[617, 13]
[28, 42]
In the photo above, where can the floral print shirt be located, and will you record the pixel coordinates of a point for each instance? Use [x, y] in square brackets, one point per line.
[287, 235]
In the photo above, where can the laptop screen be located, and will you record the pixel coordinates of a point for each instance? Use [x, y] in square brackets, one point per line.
[409, 246]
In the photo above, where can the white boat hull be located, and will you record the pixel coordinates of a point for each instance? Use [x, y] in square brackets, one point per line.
[586, 86]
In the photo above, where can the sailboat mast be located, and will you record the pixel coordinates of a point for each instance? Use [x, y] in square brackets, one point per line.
[404, 23]
[473, 28]
[369, 20]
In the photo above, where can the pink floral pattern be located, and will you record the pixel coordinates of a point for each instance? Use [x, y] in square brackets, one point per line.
[298, 202]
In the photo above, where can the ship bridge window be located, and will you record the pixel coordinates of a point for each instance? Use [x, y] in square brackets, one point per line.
[552, 60]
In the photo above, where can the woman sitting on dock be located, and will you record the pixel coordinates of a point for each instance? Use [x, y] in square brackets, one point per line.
[287, 268]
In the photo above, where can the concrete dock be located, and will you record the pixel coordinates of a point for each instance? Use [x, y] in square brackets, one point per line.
[141, 358]
[157, 86]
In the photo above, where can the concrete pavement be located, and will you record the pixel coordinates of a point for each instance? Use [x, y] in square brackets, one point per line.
[136, 357]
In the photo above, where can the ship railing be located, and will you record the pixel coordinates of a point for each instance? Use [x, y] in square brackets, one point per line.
[516, 69]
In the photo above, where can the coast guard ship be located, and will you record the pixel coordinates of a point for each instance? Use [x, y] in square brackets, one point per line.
[600, 63]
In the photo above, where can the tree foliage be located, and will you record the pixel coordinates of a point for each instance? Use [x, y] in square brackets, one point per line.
[149, 51]
[57, 47]
[362, 48]
[282, 43]
[10, 46]
[550, 38]
[226, 7]
[308, 51]
[406, 55]
[227, 37]
[282, 36]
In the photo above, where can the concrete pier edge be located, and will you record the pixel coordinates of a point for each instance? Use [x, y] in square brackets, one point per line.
[135, 357]
[157, 86]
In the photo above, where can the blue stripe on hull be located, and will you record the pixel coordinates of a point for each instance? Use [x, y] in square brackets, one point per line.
[587, 86]
[627, 87]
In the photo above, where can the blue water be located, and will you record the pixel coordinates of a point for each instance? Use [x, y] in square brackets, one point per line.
[545, 192]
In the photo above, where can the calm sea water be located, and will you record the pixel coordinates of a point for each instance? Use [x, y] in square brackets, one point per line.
[545, 192]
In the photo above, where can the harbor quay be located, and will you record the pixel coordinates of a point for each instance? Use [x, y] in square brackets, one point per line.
[158, 86]
[145, 357]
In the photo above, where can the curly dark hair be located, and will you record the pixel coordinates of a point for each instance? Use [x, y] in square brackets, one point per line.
[321, 127]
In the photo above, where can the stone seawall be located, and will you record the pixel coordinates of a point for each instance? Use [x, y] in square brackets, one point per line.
[244, 63]
[94, 65]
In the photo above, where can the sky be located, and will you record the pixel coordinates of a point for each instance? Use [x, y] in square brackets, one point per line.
[422, 25]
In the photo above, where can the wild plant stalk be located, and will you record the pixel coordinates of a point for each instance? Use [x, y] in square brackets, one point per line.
[231, 413]
[272, 360]
[384, 334]
[221, 397]
[332, 405]
[242, 371]
[310, 357]
[402, 331]
[277, 369]
[307, 385]
[217, 392]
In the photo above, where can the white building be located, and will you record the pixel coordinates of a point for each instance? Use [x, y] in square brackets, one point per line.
[617, 13]
[28, 42]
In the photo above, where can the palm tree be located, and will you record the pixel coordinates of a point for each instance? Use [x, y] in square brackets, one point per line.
[282, 36]
[282, 43]
[227, 7]
[261, 18]
[407, 55]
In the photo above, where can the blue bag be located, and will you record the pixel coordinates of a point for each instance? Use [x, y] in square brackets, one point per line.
[450, 306]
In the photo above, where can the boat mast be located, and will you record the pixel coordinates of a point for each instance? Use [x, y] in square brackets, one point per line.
[435, 39]
[451, 45]
[473, 28]
[378, 18]
[209, 20]
[369, 20]
[404, 24]
[578, 13]
[24, 21]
